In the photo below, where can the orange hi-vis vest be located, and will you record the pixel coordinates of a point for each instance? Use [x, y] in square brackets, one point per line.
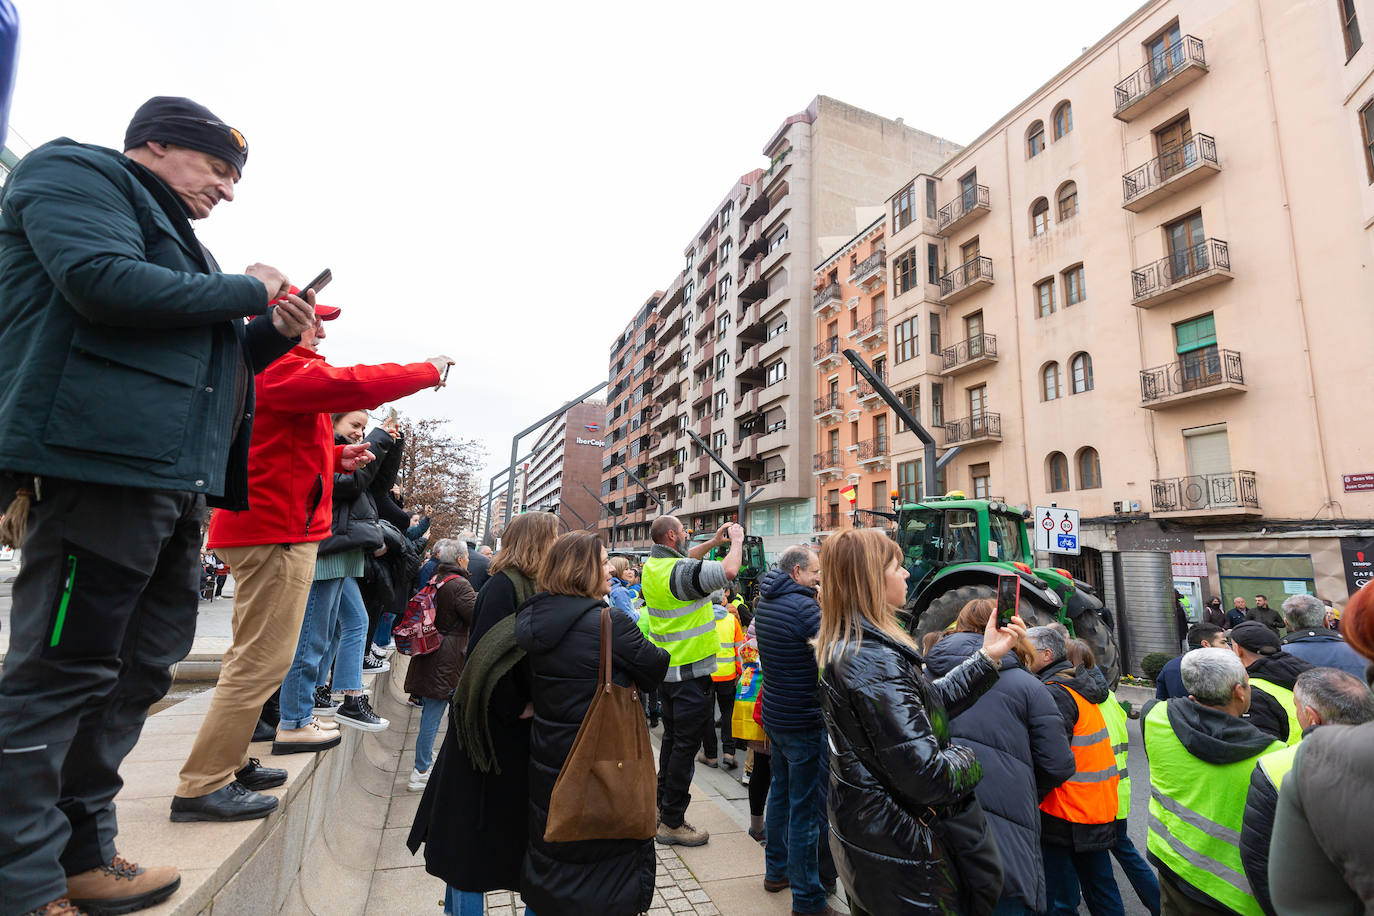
[1089, 796]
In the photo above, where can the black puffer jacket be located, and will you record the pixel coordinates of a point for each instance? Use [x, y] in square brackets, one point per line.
[562, 635]
[1055, 830]
[1018, 735]
[355, 511]
[891, 763]
[1266, 712]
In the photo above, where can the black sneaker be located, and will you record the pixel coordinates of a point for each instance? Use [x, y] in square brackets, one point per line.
[257, 777]
[325, 705]
[374, 665]
[356, 712]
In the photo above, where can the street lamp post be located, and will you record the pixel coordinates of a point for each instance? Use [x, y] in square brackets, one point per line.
[515, 440]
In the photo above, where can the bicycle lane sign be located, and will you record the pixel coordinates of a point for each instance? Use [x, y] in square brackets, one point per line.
[1056, 530]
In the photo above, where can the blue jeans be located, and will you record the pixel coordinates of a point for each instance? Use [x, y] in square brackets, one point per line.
[348, 641]
[793, 819]
[382, 635]
[317, 631]
[463, 903]
[430, 717]
[1138, 871]
[1066, 871]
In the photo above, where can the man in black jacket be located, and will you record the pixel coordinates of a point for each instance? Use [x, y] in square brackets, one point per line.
[126, 402]
[1272, 675]
[1324, 696]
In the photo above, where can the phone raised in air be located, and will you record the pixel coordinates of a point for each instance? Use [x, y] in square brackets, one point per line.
[1008, 598]
[320, 282]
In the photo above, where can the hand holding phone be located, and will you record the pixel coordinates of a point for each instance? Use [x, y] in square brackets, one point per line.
[1008, 598]
[319, 283]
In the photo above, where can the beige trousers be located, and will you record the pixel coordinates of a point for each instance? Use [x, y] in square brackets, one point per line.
[271, 585]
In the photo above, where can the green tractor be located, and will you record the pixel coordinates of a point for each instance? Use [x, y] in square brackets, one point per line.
[955, 548]
[751, 569]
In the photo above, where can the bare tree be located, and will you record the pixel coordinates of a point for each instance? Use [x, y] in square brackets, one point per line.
[439, 476]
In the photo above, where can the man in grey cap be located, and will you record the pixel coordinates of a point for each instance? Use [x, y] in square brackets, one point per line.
[126, 404]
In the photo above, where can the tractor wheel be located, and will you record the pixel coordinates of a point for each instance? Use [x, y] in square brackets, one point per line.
[944, 610]
[1092, 629]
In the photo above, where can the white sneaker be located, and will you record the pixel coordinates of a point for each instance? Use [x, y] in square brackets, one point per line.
[418, 780]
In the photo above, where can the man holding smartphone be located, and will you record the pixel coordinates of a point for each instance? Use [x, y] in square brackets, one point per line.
[126, 403]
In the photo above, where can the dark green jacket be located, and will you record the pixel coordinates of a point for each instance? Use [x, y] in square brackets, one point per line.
[124, 358]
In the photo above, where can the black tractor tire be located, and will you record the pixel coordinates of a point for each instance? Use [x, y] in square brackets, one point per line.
[941, 613]
[1092, 629]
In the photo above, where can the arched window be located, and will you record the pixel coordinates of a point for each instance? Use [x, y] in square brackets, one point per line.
[1068, 200]
[1089, 469]
[1057, 472]
[1035, 139]
[1063, 120]
[1081, 368]
[1051, 388]
[1040, 216]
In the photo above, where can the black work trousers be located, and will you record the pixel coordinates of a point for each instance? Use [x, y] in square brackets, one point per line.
[724, 692]
[686, 716]
[104, 605]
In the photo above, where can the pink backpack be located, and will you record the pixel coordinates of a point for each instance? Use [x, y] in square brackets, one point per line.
[416, 634]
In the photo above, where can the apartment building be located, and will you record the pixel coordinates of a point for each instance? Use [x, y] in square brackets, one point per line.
[851, 463]
[565, 467]
[1150, 280]
[733, 337]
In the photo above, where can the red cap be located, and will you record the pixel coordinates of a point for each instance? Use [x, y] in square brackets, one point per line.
[322, 312]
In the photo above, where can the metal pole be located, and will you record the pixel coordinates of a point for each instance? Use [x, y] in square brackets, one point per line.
[515, 440]
[615, 519]
[563, 505]
[652, 495]
[491, 495]
[744, 498]
[932, 463]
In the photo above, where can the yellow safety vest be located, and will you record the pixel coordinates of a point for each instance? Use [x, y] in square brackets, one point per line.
[1277, 764]
[1195, 814]
[1115, 717]
[1285, 699]
[731, 638]
[686, 630]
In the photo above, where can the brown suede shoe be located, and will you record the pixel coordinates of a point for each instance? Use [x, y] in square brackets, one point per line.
[61, 907]
[121, 887]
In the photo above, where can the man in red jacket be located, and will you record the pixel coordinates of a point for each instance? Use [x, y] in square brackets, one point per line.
[271, 547]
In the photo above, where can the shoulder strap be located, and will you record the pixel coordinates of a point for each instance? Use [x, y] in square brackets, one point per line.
[606, 648]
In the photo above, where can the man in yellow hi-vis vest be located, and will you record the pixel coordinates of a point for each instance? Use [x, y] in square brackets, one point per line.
[1323, 696]
[680, 619]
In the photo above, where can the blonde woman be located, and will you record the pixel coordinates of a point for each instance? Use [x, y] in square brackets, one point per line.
[907, 833]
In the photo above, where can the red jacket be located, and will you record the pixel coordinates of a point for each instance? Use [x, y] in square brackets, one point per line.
[292, 459]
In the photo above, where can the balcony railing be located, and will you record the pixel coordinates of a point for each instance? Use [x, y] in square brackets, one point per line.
[1166, 167]
[1233, 490]
[1195, 371]
[829, 458]
[866, 389]
[826, 403]
[1161, 69]
[1179, 267]
[826, 521]
[968, 203]
[825, 348]
[777, 476]
[831, 292]
[871, 266]
[979, 346]
[985, 426]
[874, 448]
[873, 324]
[965, 275]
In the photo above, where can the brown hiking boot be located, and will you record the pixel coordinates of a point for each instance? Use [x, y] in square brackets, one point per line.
[61, 907]
[686, 835]
[121, 887]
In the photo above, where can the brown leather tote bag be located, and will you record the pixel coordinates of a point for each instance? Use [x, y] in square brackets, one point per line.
[607, 786]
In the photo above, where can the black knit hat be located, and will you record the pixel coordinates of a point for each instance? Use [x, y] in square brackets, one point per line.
[1256, 637]
[169, 119]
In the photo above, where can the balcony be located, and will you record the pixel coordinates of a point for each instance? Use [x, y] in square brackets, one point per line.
[1196, 267]
[829, 409]
[978, 350]
[703, 393]
[826, 353]
[826, 521]
[747, 403]
[826, 302]
[873, 452]
[753, 243]
[827, 462]
[964, 209]
[868, 395]
[1199, 375]
[774, 437]
[752, 286]
[1232, 495]
[749, 367]
[974, 430]
[966, 279]
[1167, 174]
[873, 267]
[756, 207]
[872, 331]
[1165, 74]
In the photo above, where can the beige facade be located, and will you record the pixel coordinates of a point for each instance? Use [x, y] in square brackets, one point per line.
[1150, 290]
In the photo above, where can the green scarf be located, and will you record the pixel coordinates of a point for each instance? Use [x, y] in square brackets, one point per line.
[490, 660]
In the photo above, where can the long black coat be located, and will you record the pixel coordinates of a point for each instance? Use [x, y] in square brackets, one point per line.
[1018, 736]
[562, 635]
[891, 761]
[473, 824]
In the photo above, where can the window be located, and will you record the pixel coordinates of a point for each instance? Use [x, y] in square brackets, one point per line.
[908, 488]
[1075, 289]
[1063, 120]
[775, 242]
[1089, 469]
[1057, 472]
[722, 399]
[776, 372]
[724, 286]
[722, 325]
[930, 198]
[980, 475]
[1367, 130]
[977, 401]
[718, 441]
[725, 250]
[933, 322]
[1187, 247]
[933, 265]
[1044, 298]
[1050, 388]
[1195, 334]
[937, 405]
[904, 338]
[1068, 200]
[722, 360]
[1040, 216]
[1166, 53]
[973, 327]
[1035, 139]
[902, 206]
[1350, 26]
[904, 271]
[1081, 367]
[911, 400]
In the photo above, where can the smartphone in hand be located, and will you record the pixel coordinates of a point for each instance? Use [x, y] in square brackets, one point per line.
[1008, 598]
[319, 283]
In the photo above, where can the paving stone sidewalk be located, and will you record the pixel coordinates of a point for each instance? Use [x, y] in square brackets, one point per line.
[676, 891]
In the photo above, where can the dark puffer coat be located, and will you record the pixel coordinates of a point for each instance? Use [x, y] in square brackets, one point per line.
[891, 762]
[1017, 733]
[436, 674]
[786, 620]
[562, 635]
[1266, 712]
[355, 510]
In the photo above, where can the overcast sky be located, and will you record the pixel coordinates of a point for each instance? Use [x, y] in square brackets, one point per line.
[506, 183]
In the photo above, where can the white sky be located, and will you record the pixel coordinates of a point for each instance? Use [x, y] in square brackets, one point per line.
[506, 183]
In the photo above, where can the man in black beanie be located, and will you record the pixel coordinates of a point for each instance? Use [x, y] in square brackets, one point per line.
[126, 404]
